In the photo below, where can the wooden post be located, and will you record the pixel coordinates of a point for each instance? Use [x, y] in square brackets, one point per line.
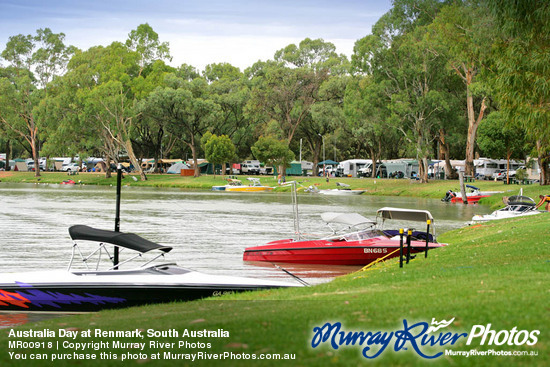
[401, 247]
[427, 236]
[409, 235]
[462, 188]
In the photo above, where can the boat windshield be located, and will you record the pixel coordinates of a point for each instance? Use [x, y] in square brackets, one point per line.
[363, 235]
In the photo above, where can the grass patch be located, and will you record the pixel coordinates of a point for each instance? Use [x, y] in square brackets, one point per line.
[434, 189]
[496, 273]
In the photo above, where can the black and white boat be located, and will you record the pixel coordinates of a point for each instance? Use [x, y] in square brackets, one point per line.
[87, 290]
[100, 281]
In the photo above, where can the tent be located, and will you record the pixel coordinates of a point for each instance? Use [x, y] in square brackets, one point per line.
[177, 167]
[327, 163]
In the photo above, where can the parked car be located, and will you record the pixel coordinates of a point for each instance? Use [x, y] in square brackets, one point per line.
[499, 175]
[251, 167]
[70, 167]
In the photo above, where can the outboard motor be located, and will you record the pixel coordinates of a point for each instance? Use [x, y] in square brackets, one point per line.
[448, 196]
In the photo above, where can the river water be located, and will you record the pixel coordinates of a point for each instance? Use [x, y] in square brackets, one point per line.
[208, 230]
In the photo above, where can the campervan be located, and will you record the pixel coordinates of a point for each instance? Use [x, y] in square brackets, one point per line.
[486, 168]
[351, 167]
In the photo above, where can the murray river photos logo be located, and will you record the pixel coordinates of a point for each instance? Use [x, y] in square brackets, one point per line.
[427, 340]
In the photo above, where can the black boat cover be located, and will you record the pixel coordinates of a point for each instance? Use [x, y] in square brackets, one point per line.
[128, 240]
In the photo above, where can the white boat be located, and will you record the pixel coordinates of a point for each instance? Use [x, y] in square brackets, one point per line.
[103, 284]
[341, 192]
[516, 206]
[342, 189]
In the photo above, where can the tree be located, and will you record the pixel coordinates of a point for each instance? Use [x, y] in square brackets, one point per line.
[34, 61]
[522, 73]
[145, 42]
[398, 55]
[498, 138]
[273, 152]
[219, 150]
[230, 91]
[286, 95]
[368, 118]
[464, 29]
[185, 108]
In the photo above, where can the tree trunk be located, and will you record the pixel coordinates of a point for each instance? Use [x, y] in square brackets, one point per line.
[8, 155]
[197, 172]
[444, 154]
[424, 174]
[133, 159]
[544, 178]
[35, 156]
[374, 158]
[473, 124]
[107, 166]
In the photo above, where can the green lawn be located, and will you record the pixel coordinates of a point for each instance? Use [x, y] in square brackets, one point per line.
[496, 273]
[383, 187]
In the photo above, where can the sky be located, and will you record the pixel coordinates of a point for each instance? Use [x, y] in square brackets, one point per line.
[239, 32]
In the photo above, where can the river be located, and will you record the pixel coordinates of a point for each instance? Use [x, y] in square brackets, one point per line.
[208, 230]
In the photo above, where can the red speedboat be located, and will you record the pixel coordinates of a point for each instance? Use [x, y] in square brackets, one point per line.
[362, 243]
[473, 195]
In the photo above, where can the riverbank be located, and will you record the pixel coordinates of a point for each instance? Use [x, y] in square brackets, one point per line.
[495, 273]
[435, 189]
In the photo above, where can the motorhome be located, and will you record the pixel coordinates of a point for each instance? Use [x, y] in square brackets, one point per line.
[352, 167]
[485, 167]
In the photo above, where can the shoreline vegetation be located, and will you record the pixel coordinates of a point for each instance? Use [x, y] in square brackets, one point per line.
[434, 189]
[493, 273]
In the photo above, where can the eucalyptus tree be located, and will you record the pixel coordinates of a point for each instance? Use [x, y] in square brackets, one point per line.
[151, 138]
[145, 42]
[368, 118]
[33, 62]
[498, 138]
[399, 58]
[231, 92]
[185, 108]
[219, 150]
[326, 119]
[466, 31]
[320, 109]
[273, 152]
[285, 95]
[522, 72]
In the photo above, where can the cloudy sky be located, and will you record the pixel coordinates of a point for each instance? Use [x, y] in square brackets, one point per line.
[239, 32]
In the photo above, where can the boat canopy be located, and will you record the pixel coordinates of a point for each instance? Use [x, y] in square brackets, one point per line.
[404, 214]
[521, 200]
[128, 240]
[351, 219]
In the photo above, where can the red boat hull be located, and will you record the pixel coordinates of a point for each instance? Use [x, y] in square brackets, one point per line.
[362, 252]
[471, 199]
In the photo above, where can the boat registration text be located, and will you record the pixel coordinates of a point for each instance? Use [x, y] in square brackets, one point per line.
[375, 250]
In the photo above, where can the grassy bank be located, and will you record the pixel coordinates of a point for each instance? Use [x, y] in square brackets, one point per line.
[385, 187]
[496, 273]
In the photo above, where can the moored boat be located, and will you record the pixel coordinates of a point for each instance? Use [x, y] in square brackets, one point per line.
[473, 195]
[84, 290]
[516, 206]
[342, 189]
[362, 242]
[235, 185]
